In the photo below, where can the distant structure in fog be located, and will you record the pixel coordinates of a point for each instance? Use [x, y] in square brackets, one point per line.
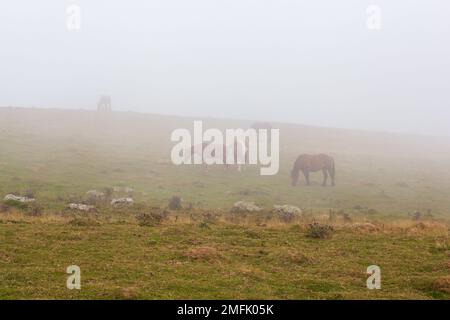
[104, 104]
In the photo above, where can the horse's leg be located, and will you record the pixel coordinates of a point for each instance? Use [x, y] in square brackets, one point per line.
[325, 177]
[306, 174]
[331, 172]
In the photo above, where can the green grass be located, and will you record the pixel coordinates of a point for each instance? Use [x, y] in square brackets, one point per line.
[124, 260]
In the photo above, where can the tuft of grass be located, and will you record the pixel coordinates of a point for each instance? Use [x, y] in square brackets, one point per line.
[155, 217]
[175, 203]
[319, 231]
[442, 284]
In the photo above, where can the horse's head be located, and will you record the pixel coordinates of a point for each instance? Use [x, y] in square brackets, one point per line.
[294, 176]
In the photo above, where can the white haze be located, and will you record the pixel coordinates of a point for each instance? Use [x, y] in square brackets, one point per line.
[309, 62]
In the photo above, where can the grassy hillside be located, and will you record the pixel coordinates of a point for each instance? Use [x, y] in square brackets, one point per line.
[59, 153]
[204, 250]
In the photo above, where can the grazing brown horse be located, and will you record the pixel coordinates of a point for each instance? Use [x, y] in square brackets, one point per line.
[311, 163]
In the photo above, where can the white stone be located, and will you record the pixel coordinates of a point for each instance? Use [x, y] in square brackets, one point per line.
[95, 194]
[18, 198]
[287, 209]
[122, 201]
[81, 207]
[244, 206]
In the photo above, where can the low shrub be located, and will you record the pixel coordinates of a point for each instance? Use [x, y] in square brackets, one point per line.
[175, 203]
[153, 218]
[34, 209]
[319, 231]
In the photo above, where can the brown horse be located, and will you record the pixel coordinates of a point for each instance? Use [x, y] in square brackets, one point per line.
[311, 163]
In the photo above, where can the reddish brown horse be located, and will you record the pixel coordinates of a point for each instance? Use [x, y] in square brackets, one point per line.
[311, 163]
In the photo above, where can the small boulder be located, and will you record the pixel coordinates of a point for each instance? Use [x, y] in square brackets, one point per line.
[96, 195]
[12, 197]
[244, 206]
[287, 209]
[287, 212]
[81, 207]
[122, 201]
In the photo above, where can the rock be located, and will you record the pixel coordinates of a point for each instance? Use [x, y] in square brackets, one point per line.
[122, 201]
[287, 209]
[244, 206]
[287, 212]
[12, 197]
[81, 207]
[94, 194]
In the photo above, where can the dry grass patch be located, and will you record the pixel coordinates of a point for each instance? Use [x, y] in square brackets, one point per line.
[428, 227]
[202, 253]
[129, 293]
[296, 258]
[442, 284]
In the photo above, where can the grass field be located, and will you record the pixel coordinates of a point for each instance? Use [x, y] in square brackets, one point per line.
[381, 179]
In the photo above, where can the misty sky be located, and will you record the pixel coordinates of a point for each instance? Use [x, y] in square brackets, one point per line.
[312, 62]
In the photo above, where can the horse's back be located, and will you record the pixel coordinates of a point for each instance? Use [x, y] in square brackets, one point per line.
[315, 162]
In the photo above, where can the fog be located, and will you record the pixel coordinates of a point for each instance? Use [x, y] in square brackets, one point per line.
[312, 62]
